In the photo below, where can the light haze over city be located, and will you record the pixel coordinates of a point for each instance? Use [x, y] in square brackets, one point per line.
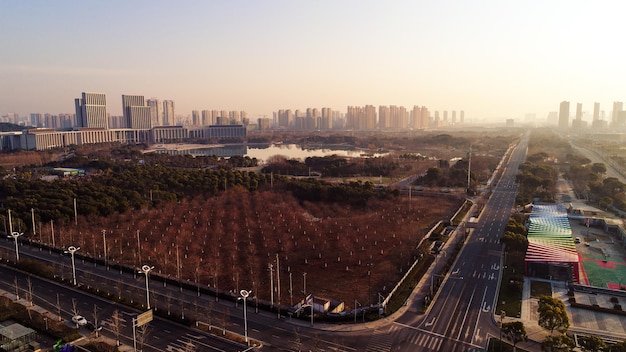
[492, 59]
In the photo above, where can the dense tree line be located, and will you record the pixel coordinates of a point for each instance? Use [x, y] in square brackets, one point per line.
[332, 166]
[353, 193]
[536, 180]
[590, 182]
[453, 176]
[117, 187]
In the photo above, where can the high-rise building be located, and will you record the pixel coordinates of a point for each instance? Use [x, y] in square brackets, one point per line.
[195, 117]
[206, 118]
[579, 111]
[156, 118]
[36, 119]
[596, 111]
[383, 117]
[91, 111]
[564, 114]
[168, 113]
[462, 116]
[326, 121]
[136, 114]
[618, 106]
[398, 117]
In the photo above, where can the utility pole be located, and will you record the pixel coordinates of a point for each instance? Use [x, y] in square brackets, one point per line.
[104, 241]
[278, 283]
[271, 269]
[52, 231]
[32, 216]
[291, 290]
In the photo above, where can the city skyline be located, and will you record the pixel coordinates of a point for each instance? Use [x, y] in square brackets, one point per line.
[490, 59]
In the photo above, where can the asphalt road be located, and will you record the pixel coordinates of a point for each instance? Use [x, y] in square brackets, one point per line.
[161, 334]
[461, 315]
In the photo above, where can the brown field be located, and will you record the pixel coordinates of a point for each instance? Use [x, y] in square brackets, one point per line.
[236, 236]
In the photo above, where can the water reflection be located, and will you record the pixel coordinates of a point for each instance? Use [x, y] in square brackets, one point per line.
[263, 152]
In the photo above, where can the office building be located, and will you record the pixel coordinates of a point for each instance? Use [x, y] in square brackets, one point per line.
[195, 118]
[168, 113]
[564, 114]
[91, 111]
[156, 115]
[579, 111]
[136, 113]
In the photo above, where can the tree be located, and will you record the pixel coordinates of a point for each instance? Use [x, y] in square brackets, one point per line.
[514, 242]
[560, 343]
[515, 331]
[552, 314]
[591, 343]
[618, 347]
[598, 168]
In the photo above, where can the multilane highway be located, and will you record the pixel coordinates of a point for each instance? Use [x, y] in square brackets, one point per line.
[461, 316]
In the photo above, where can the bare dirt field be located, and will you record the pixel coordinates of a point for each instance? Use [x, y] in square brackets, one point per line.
[230, 241]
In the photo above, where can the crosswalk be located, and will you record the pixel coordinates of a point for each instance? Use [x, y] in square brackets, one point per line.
[382, 339]
[385, 339]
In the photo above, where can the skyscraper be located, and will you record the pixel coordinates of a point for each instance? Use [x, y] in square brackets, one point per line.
[168, 113]
[195, 117]
[136, 113]
[91, 111]
[155, 112]
[383, 117]
[618, 106]
[596, 111]
[579, 111]
[564, 114]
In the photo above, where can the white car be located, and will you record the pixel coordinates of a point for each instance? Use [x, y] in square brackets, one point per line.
[79, 320]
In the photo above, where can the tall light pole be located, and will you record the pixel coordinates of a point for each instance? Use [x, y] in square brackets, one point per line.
[146, 270]
[244, 295]
[104, 242]
[71, 250]
[15, 235]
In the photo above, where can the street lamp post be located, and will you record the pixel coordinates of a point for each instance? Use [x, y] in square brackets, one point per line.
[244, 295]
[71, 250]
[146, 270]
[15, 235]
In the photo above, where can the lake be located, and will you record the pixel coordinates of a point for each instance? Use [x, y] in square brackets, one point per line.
[263, 152]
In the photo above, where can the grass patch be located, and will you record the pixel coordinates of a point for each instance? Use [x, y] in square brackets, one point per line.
[510, 296]
[540, 288]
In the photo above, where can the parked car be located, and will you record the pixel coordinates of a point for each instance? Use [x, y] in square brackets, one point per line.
[577, 240]
[79, 320]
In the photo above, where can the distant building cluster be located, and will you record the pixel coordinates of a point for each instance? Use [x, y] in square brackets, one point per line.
[153, 121]
[580, 119]
[364, 118]
[143, 121]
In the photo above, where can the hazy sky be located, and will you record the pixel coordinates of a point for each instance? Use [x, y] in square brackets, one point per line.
[493, 59]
